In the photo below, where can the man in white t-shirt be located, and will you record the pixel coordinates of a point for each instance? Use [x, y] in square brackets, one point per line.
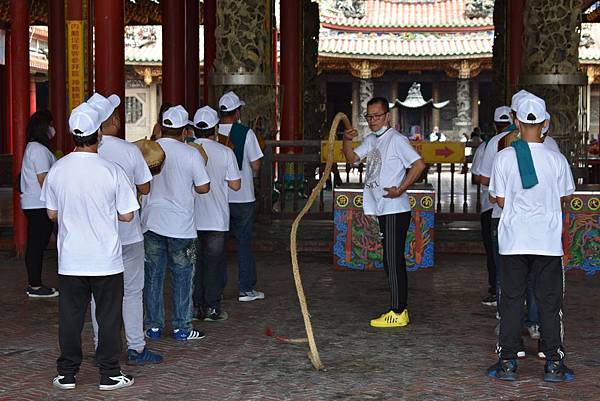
[502, 120]
[531, 183]
[212, 218]
[242, 140]
[88, 196]
[170, 230]
[389, 154]
[130, 159]
[548, 140]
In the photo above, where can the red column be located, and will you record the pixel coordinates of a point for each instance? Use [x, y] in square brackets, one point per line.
[210, 44]
[109, 17]
[32, 96]
[290, 69]
[515, 21]
[58, 71]
[192, 55]
[173, 62]
[19, 60]
[90, 48]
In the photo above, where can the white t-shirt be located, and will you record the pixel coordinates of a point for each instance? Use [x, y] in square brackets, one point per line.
[487, 163]
[531, 222]
[252, 153]
[37, 160]
[131, 160]
[551, 144]
[88, 192]
[475, 166]
[212, 208]
[168, 209]
[388, 157]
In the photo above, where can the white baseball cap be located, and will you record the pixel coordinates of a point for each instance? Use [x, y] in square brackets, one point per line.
[230, 101]
[532, 110]
[514, 104]
[502, 115]
[206, 117]
[175, 117]
[546, 127]
[84, 120]
[104, 106]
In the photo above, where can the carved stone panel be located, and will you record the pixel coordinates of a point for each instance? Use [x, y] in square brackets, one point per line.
[366, 90]
[463, 123]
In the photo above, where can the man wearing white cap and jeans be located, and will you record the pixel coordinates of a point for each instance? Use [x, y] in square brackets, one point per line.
[170, 231]
[88, 195]
[531, 183]
[212, 217]
[130, 159]
[247, 152]
[502, 120]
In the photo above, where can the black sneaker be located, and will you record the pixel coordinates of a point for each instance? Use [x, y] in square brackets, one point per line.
[490, 300]
[557, 371]
[115, 382]
[42, 292]
[215, 315]
[504, 369]
[64, 382]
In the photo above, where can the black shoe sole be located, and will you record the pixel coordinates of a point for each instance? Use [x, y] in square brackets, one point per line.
[557, 378]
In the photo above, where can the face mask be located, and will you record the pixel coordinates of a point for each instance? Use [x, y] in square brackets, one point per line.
[51, 132]
[380, 131]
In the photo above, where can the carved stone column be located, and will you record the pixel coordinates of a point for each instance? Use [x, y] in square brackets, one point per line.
[366, 71]
[355, 103]
[463, 123]
[435, 113]
[551, 51]
[243, 61]
[393, 97]
[474, 103]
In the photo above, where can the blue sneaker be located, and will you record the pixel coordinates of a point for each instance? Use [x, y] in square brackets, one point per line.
[142, 358]
[557, 371]
[504, 369]
[154, 333]
[181, 335]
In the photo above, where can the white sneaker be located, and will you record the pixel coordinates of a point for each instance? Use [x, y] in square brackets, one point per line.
[534, 332]
[521, 354]
[251, 296]
[115, 382]
[541, 355]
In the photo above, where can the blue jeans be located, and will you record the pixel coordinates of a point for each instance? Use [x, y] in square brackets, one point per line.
[532, 309]
[180, 255]
[242, 217]
[210, 265]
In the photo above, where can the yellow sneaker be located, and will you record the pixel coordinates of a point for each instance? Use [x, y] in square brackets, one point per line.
[391, 319]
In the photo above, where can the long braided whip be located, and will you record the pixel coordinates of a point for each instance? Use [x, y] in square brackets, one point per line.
[313, 354]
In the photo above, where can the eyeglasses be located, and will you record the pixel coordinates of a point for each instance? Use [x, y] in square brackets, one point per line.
[370, 117]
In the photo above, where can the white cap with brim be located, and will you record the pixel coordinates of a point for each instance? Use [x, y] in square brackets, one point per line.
[205, 118]
[546, 127]
[514, 104]
[84, 120]
[230, 101]
[175, 117]
[532, 110]
[502, 115]
[105, 106]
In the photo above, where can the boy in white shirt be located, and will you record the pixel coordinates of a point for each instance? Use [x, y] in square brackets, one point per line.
[530, 182]
[247, 151]
[502, 120]
[88, 196]
[212, 217]
[170, 231]
[389, 154]
[130, 159]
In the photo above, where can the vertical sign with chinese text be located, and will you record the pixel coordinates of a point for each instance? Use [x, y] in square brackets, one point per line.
[75, 63]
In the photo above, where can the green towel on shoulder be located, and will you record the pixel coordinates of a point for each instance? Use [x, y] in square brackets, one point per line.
[525, 161]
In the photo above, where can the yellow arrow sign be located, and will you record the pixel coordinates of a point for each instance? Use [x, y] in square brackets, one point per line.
[432, 152]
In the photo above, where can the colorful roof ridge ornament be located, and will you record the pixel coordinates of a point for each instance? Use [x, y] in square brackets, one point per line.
[414, 99]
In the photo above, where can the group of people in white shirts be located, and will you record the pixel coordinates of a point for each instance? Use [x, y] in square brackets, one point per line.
[116, 256]
[525, 181]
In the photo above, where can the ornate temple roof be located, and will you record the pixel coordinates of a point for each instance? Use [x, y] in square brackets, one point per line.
[395, 15]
